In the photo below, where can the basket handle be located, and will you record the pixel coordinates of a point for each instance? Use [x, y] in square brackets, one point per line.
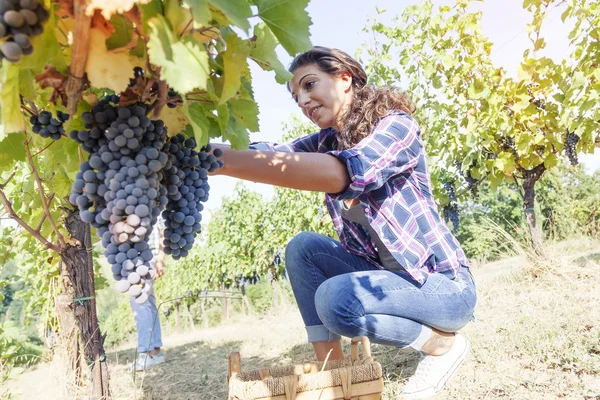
[234, 365]
[366, 349]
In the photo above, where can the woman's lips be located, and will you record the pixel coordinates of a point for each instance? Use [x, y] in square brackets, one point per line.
[313, 112]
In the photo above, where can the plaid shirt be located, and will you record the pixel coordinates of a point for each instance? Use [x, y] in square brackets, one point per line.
[389, 176]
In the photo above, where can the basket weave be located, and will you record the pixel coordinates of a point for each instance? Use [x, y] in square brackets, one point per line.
[352, 377]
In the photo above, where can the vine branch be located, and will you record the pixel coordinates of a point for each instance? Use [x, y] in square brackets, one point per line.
[45, 202]
[79, 54]
[18, 220]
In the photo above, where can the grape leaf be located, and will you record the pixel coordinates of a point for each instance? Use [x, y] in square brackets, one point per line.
[234, 62]
[175, 119]
[263, 53]
[27, 84]
[289, 22]
[246, 112]
[177, 16]
[200, 12]
[184, 64]
[237, 11]
[198, 121]
[101, 64]
[108, 8]
[123, 34]
[12, 117]
[12, 149]
[236, 132]
[46, 50]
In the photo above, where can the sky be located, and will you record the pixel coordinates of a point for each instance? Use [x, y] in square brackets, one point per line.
[340, 23]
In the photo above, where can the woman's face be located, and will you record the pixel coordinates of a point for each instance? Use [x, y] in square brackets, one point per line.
[321, 96]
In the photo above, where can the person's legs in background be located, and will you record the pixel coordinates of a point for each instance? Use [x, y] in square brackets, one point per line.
[147, 322]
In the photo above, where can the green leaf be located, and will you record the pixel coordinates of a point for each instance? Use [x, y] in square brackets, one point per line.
[12, 149]
[184, 63]
[237, 11]
[198, 121]
[289, 22]
[123, 34]
[200, 12]
[263, 53]
[236, 133]
[234, 62]
[26, 84]
[12, 117]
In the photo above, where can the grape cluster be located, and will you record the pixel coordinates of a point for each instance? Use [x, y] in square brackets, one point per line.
[132, 173]
[20, 20]
[118, 189]
[186, 181]
[450, 210]
[47, 126]
[571, 141]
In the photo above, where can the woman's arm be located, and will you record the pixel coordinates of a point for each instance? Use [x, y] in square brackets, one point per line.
[316, 172]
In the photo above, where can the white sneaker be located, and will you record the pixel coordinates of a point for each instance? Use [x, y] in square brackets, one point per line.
[433, 372]
[146, 361]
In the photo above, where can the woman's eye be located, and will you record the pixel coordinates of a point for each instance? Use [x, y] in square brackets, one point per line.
[309, 85]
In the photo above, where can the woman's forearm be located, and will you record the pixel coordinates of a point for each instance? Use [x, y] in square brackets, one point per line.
[305, 171]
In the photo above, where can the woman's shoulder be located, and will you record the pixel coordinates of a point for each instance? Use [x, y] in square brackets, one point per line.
[396, 119]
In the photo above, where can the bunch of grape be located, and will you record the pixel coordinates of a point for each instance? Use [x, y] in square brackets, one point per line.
[451, 209]
[118, 189]
[47, 126]
[571, 141]
[186, 180]
[132, 172]
[20, 20]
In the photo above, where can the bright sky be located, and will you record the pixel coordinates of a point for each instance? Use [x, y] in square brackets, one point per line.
[339, 23]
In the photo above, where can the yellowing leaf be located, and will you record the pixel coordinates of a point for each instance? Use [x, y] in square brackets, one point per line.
[107, 69]
[234, 62]
[12, 116]
[110, 7]
[175, 119]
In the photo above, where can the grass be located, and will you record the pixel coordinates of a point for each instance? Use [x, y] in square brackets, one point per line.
[536, 336]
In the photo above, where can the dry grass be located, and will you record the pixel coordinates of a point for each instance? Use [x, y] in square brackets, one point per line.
[537, 336]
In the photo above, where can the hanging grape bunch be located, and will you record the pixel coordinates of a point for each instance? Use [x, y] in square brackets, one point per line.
[122, 188]
[20, 21]
[450, 210]
[571, 141]
[187, 186]
[45, 125]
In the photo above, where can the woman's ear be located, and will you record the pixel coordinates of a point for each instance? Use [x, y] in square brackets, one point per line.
[346, 81]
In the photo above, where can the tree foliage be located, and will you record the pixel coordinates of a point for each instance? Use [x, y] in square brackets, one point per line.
[479, 122]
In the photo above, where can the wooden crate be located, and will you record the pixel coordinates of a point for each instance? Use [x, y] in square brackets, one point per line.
[356, 378]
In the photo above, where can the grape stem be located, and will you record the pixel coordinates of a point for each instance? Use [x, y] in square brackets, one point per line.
[45, 203]
[42, 150]
[13, 215]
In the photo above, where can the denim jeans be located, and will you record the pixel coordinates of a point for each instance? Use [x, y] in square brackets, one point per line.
[147, 322]
[341, 294]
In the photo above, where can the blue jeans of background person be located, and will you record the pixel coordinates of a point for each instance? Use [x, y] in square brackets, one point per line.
[147, 322]
[341, 294]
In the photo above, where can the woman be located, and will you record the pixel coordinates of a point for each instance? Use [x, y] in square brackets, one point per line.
[397, 275]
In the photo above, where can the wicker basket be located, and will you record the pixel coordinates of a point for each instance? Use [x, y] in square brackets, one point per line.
[351, 378]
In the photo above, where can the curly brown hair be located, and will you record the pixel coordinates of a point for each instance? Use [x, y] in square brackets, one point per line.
[368, 104]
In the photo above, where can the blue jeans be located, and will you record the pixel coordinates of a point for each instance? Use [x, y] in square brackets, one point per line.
[341, 294]
[147, 322]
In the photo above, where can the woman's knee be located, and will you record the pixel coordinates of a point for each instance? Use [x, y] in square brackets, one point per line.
[298, 249]
[337, 305]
